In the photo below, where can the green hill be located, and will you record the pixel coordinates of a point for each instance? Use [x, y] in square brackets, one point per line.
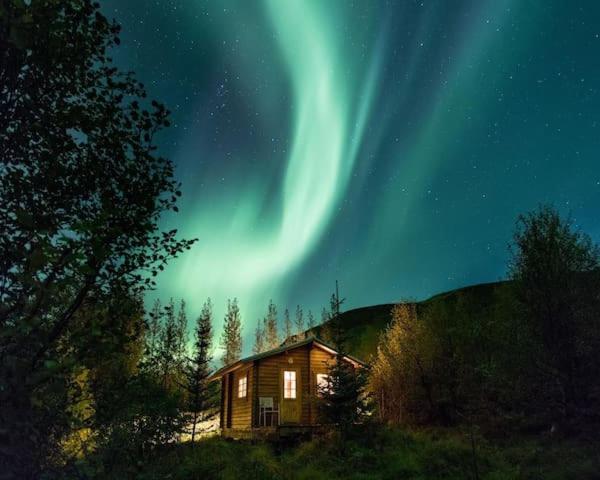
[365, 324]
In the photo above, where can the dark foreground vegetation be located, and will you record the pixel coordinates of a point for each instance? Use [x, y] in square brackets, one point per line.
[384, 453]
[500, 381]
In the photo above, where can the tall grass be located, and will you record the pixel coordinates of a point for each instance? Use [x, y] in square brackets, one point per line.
[383, 453]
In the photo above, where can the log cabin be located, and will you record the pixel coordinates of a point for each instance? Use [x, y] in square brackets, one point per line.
[274, 394]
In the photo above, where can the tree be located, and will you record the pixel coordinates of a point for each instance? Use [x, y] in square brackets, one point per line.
[259, 338]
[231, 338]
[271, 334]
[310, 321]
[556, 269]
[169, 348]
[152, 333]
[400, 376]
[202, 394]
[287, 324]
[82, 191]
[299, 322]
[343, 401]
[182, 335]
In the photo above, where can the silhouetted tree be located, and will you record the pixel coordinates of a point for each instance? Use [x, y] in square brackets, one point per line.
[231, 338]
[259, 337]
[343, 401]
[202, 394]
[271, 334]
[82, 191]
[310, 321]
[557, 272]
[287, 324]
[299, 321]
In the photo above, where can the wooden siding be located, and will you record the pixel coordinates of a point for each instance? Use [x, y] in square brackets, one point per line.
[270, 377]
[264, 379]
[241, 408]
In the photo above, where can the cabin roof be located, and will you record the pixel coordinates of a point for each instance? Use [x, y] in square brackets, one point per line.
[282, 349]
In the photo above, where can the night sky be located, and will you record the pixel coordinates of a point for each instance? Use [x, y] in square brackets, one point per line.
[388, 145]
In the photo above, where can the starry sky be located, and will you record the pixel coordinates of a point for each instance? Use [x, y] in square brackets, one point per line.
[387, 144]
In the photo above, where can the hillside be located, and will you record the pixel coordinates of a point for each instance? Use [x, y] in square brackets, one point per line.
[366, 323]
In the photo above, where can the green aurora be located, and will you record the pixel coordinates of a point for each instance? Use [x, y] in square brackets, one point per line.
[388, 145]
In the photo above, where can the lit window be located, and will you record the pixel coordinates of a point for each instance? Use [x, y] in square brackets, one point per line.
[289, 384]
[322, 383]
[242, 387]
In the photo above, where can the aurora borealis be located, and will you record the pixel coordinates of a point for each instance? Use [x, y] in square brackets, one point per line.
[387, 144]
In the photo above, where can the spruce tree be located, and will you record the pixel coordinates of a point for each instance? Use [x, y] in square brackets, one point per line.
[299, 322]
[259, 338]
[324, 316]
[181, 334]
[310, 321]
[271, 334]
[202, 393]
[152, 335]
[168, 346]
[287, 324]
[342, 398]
[231, 338]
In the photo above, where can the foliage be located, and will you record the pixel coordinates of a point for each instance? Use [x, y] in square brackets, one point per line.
[342, 399]
[557, 272]
[287, 325]
[231, 337]
[270, 328]
[82, 191]
[202, 394]
[310, 321]
[299, 321]
[508, 355]
[383, 453]
[259, 338]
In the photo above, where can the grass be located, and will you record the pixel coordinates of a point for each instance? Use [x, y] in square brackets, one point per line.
[380, 454]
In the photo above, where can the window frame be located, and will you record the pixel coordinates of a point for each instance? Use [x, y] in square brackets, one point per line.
[293, 385]
[243, 380]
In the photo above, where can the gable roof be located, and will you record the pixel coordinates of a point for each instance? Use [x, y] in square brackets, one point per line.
[281, 349]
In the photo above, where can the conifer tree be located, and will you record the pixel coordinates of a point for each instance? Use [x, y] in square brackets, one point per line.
[182, 336]
[287, 325]
[271, 334]
[259, 338]
[202, 393]
[324, 316]
[231, 338]
[343, 402]
[310, 321]
[152, 335]
[168, 347]
[299, 322]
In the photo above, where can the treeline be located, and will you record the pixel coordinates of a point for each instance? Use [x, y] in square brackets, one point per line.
[269, 332]
[520, 354]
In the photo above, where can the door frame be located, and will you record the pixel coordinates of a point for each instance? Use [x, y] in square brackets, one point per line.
[298, 399]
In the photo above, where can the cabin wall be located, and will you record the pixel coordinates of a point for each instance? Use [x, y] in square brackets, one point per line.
[241, 408]
[269, 377]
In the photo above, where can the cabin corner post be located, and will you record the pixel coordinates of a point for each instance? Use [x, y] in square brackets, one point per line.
[222, 413]
[310, 380]
[255, 414]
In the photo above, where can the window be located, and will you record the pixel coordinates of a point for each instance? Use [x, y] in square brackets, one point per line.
[289, 384]
[243, 387]
[322, 383]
